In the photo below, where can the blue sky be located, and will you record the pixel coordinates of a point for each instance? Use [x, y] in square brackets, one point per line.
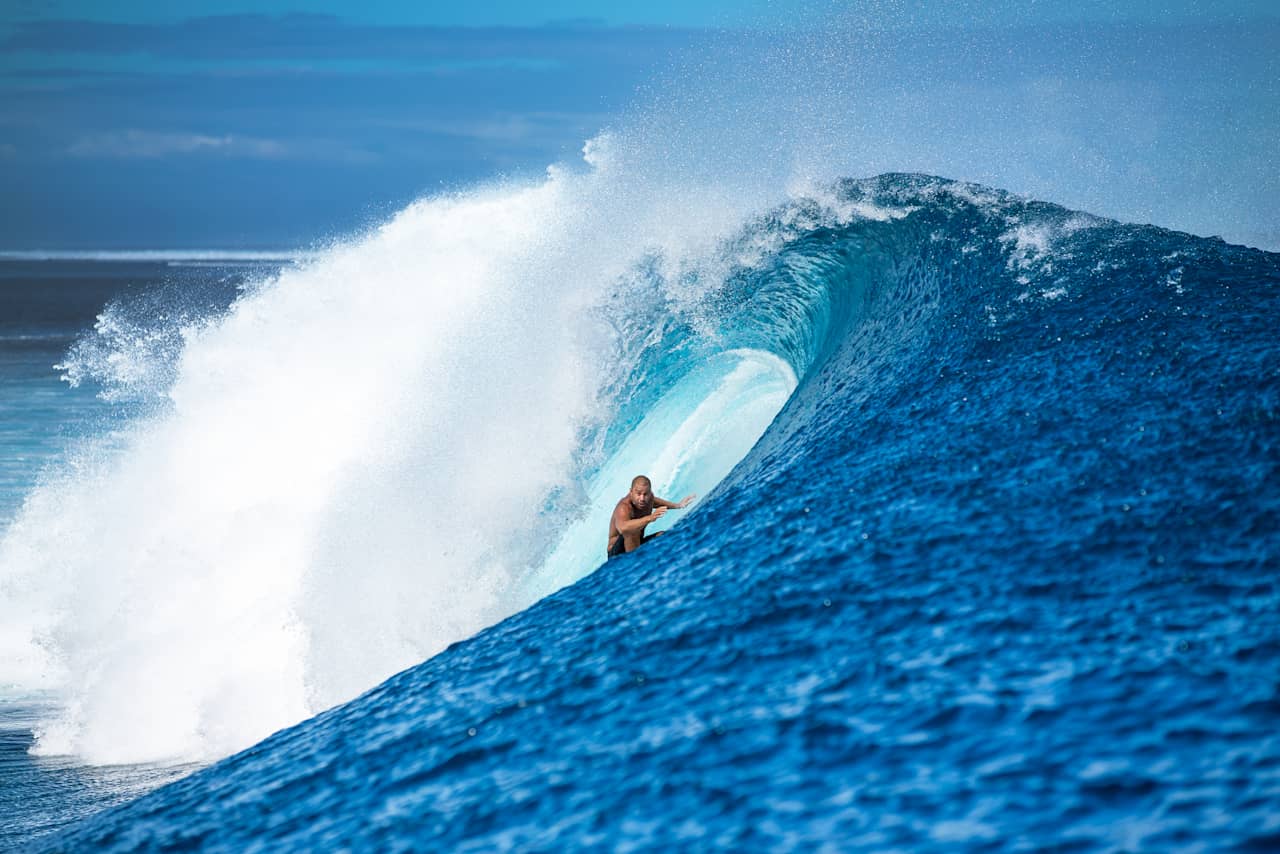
[277, 123]
[408, 12]
[695, 13]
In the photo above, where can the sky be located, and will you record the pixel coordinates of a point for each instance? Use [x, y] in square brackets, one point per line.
[277, 124]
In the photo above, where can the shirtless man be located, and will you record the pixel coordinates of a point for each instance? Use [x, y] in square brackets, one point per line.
[638, 508]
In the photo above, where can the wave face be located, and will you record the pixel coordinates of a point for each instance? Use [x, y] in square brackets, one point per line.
[1001, 566]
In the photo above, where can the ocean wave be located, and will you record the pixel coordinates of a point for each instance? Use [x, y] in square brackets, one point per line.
[989, 488]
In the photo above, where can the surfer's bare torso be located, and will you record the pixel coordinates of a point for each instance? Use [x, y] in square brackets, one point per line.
[634, 512]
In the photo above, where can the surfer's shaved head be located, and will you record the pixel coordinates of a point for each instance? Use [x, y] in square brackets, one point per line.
[641, 480]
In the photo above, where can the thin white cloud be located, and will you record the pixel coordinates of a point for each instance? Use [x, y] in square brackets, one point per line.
[151, 144]
[144, 144]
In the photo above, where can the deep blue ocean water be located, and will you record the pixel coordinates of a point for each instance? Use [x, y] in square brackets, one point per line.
[1001, 575]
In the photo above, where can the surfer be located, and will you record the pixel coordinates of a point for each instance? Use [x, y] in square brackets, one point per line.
[634, 511]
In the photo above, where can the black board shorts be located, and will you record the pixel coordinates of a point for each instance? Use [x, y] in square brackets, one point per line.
[617, 547]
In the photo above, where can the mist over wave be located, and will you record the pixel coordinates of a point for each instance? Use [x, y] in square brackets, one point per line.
[365, 459]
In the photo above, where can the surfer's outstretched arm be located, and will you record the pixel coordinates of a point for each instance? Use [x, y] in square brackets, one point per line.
[684, 502]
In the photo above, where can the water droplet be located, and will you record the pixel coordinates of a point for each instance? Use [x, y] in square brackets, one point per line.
[471, 731]
[826, 603]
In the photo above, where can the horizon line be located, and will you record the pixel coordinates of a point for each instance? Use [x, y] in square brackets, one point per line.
[125, 255]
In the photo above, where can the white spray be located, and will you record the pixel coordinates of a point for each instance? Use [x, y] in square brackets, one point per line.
[351, 472]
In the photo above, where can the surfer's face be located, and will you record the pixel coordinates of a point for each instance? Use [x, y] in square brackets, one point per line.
[641, 496]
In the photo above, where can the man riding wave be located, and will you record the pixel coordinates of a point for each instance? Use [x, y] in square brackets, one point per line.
[637, 509]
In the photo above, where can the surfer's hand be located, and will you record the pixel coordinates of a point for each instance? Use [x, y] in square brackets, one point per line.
[688, 499]
[659, 512]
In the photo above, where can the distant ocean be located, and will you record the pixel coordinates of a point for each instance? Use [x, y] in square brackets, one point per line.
[985, 555]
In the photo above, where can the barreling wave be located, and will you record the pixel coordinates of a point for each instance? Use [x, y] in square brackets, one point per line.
[381, 450]
[982, 477]
[408, 438]
[875, 385]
